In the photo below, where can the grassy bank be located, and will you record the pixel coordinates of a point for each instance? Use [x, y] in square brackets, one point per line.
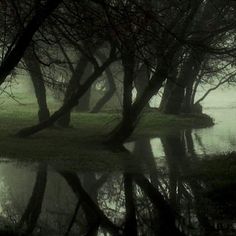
[83, 139]
[158, 124]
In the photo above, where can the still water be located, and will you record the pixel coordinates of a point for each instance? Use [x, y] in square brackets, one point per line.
[171, 197]
[218, 139]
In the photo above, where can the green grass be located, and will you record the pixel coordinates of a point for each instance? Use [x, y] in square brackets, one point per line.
[83, 141]
[158, 124]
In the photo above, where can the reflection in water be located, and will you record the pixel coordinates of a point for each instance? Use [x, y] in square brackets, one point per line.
[218, 139]
[30, 216]
[149, 201]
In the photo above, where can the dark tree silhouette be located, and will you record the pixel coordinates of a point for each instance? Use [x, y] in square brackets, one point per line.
[34, 68]
[20, 44]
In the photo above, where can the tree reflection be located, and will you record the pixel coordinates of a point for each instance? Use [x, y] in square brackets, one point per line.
[130, 226]
[176, 148]
[193, 204]
[140, 202]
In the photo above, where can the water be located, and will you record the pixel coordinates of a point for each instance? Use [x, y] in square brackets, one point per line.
[218, 139]
[173, 191]
[46, 201]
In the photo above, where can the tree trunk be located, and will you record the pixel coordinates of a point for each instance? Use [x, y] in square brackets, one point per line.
[126, 127]
[128, 123]
[182, 91]
[74, 83]
[141, 80]
[108, 95]
[169, 85]
[72, 101]
[111, 87]
[84, 103]
[36, 76]
[187, 106]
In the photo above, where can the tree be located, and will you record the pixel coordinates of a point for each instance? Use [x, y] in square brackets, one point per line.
[209, 22]
[34, 68]
[24, 37]
[164, 39]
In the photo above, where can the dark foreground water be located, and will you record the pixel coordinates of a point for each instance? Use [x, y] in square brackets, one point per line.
[178, 188]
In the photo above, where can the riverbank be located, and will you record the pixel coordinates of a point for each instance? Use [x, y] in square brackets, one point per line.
[156, 124]
[84, 139]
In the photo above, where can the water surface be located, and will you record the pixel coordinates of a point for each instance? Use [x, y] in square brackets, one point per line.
[167, 194]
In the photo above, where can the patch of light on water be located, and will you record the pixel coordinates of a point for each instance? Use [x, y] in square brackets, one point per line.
[4, 197]
[157, 148]
[130, 146]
